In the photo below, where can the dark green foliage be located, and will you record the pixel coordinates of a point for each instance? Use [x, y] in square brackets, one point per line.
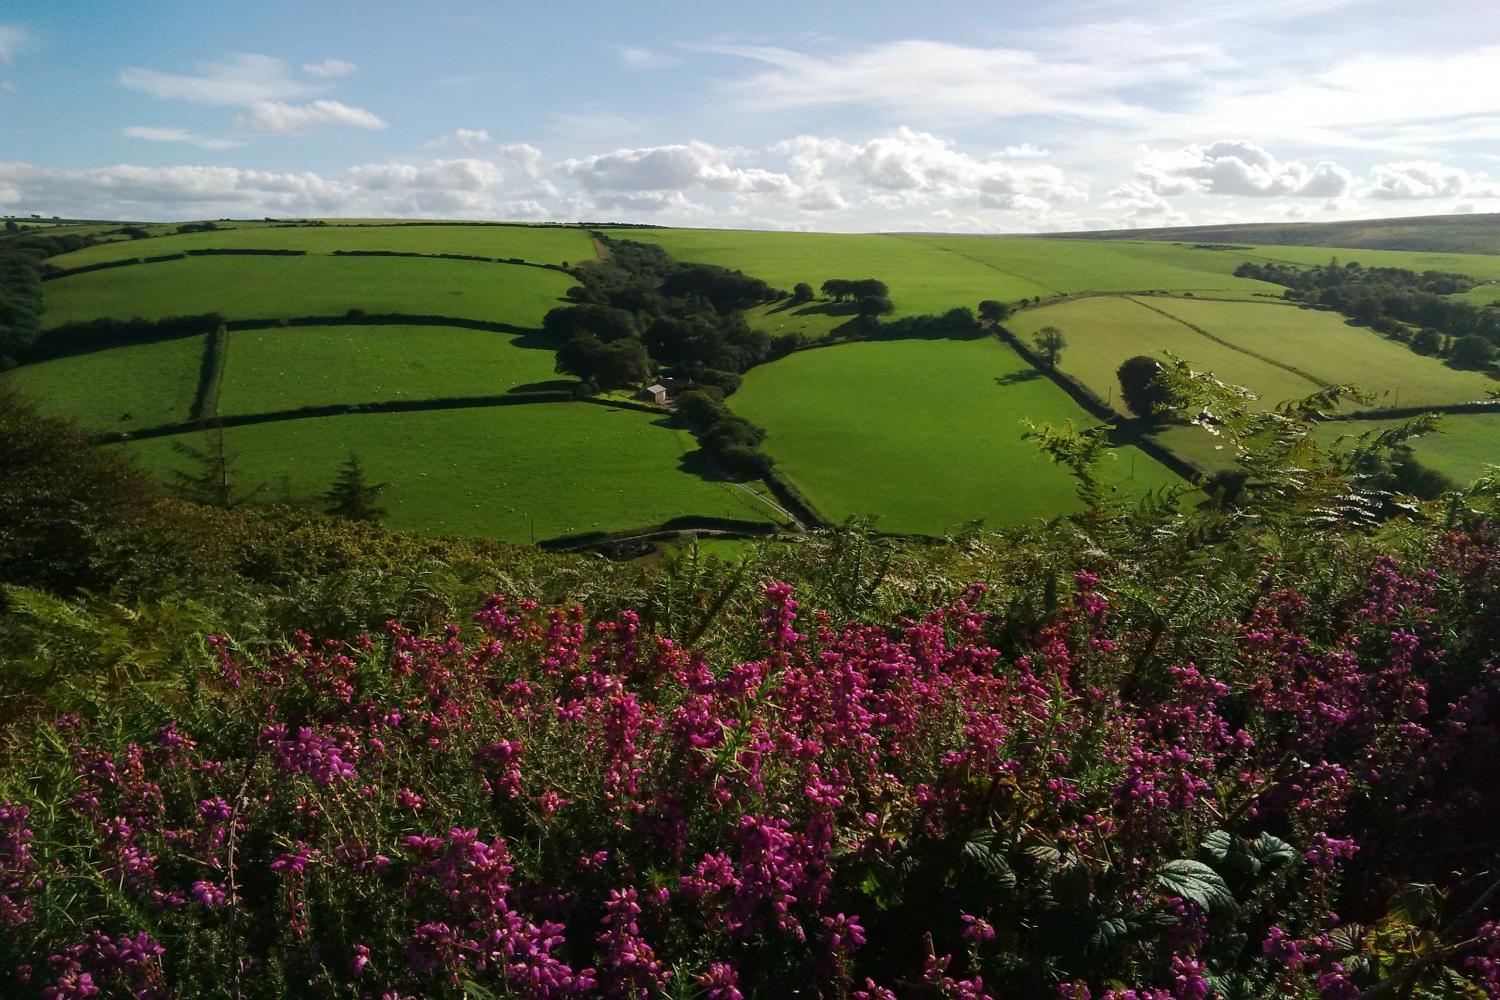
[802, 292]
[1146, 395]
[612, 365]
[727, 290]
[1389, 299]
[1473, 351]
[993, 311]
[852, 290]
[351, 496]
[727, 382]
[1050, 342]
[64, 503]
[1429, 341]
[602, 321]
[211, 480]
[20, 302]
[730, 431]
[875, 305]
[197, 227]
[702, 406]
[745, 461]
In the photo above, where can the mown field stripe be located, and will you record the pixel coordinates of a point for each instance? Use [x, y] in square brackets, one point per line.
[1294, 370]
[982, 263]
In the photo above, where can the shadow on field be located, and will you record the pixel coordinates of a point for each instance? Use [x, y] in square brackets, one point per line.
[550, 385]
[534, 339]
[1018, 377]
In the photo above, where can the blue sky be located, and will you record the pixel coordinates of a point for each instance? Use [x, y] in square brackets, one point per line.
[999, 117]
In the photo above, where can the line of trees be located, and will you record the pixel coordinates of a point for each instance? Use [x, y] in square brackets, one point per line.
[1416, 308]
[21, 263]
[854, 289]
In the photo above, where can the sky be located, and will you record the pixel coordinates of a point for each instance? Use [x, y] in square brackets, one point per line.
[976, 116]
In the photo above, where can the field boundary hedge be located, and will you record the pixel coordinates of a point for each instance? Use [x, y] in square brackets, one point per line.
[382, 319]
[516, 261]
[87, 336]
[1097, 408]
[1401, 412]
[340, 409]
[668, 528]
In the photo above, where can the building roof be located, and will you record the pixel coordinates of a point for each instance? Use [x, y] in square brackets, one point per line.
[653, 389]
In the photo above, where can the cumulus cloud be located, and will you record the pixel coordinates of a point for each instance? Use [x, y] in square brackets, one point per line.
[453, 188]
[12, 38]
[280, 117]
[911, 164]
[152, 133]
[671, 169]
[1237, 167]
[329, 68]
[1136, 204]
[1426, 179]
[466, 139]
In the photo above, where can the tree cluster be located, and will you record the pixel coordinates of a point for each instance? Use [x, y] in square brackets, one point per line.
[855, 289]
[730, 440]
[21, 267]
[1392, 300]
[639, 310]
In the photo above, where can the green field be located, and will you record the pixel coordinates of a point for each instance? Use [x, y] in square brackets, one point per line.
[502, 471]
[924, 433]
[1465, 448]
[1326, 346]
[1102, 331]
[931, 274]
[1065, 267]
[288, 367]
[539, 245]
[121, 389]
[282, 287]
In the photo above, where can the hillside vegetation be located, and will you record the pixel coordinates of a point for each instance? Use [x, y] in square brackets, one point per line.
[1473, 234]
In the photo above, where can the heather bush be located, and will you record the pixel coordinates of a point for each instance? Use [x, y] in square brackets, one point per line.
[1241, 789]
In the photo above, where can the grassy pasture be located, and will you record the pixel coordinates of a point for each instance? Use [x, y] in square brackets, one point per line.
[139, 385]
[282, 287]
[1326, 346]
[1463, 449]
[1102, 331]
[551, 245]
[922, 278]
[924, 433]
[289, 367]
[498, 471]
[1064, 267]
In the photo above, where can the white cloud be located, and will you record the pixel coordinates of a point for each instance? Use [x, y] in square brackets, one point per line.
[1025, 151]
[282, 118]
[1425, 179]
[466, 139]
[329, 68]
[638, 58]
[1238, 167]
[242, 79]
[152, 133]
[525, 156]
[671, 168]
[463, 188]
[917, 165]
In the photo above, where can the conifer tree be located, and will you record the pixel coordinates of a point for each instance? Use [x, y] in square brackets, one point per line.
[351, 496]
